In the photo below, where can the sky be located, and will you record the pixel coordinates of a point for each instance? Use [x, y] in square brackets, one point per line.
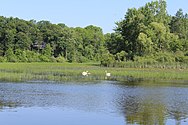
[79, 13]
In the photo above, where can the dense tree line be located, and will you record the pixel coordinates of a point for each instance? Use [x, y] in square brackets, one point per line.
[31, 41]
[147, 34]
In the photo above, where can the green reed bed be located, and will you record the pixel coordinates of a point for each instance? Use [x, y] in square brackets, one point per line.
[21, 72]
[154, 74]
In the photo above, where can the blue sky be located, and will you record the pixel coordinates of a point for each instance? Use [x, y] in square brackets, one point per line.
[102, 13]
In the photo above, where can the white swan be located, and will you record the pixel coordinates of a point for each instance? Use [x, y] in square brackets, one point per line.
[85, 73]
[107, 74]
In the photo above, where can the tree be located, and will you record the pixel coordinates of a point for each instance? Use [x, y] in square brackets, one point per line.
[146, 44]
[130, 28]
[114, 42]
[121, 56]
[159, 38]
[179, 24]
[145, 30]
[143, 34]
[22, 41]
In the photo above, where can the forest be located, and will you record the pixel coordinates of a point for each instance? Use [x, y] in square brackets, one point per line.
[146, 35]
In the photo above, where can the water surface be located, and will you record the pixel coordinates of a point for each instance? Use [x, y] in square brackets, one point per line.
[100, 103]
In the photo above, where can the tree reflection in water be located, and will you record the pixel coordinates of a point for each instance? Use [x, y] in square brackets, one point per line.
[146, 112]
[8, 104]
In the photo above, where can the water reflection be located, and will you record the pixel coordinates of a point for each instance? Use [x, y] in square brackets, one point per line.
[143, 112]
[140, 105]
[154, 105]
[5, 105]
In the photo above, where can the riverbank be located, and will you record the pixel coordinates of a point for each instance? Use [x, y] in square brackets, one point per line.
[21, 72]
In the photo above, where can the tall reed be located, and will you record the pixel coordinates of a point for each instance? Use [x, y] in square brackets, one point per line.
[21, 72]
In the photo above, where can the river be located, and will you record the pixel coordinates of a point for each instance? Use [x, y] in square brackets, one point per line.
[96, 103]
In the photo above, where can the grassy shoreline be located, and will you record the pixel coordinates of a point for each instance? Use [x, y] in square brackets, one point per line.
[22, 72]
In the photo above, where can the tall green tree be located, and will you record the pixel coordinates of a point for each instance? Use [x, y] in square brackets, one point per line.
[145, 29]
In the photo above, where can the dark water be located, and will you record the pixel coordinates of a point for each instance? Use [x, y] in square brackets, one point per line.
[102, 103]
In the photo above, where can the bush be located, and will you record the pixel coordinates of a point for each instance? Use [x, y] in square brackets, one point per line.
[11, 57]
[186, 53]
[44, 58]
[185, 60]
[21, 56]
[145, 60]
[53, 59]
[108, 60]
[2, 59]
[164, 57]
[179, 56]
[82, 59]
[60, 59]
[32, 56]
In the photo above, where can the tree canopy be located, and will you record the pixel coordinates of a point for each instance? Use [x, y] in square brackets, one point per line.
[148, 32]
[44, 41]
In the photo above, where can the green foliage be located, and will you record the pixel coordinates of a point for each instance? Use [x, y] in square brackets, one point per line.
[44, 41]
[179, 24]
[164, 57]
[186, 53]
[21, 56]
[149, 35]
[114, 42]
[46, 54]
[179, 56]
[47, 51]
[60, 59]
[2, 59]
[185, 60]
[44, 58]
[11, 57]
[82, 59]
[145, 44]
[108, 60]
[32, 56]
[121, 56]
[148, 60]
[144, 36]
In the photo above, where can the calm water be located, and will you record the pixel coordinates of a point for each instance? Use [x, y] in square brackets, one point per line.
[102, 103]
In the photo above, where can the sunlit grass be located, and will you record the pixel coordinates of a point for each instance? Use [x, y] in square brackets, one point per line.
[17, 72]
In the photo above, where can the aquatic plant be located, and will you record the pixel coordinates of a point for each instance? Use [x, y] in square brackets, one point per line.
[16, 72]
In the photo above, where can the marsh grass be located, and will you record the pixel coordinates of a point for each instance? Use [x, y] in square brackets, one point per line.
[21, 72]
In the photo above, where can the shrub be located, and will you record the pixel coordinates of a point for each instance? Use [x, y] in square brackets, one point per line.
[108, 60]
[44, 58]
[21, 56]
[164, 57]
[60, 59]
[185, 60]
[179, 56]
[32, 56]
[186, 53]
[145, 60]
[2, 59]
[11, 57]
[82, 59]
